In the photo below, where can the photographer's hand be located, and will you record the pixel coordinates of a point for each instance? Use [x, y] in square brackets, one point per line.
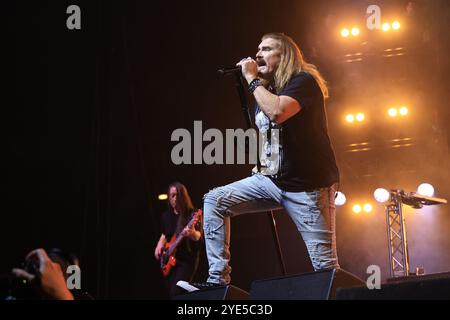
[52, 281]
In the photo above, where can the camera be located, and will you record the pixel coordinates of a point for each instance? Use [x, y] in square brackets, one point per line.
[14, 288]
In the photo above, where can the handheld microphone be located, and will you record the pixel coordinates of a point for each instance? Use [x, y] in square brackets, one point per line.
[229, 71]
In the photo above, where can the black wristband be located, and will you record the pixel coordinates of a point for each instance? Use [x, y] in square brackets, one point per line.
[255, 83]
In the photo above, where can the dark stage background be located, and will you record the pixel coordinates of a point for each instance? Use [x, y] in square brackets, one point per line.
[88, 144]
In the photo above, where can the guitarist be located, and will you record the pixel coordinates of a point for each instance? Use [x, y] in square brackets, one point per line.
[175, 223]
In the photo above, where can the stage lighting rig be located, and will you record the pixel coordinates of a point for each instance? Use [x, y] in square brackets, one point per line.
[396, 226]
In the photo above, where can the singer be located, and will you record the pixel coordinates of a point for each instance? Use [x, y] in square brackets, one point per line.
[290, 95]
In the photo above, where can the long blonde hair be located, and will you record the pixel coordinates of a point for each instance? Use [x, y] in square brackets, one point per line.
[292, 62]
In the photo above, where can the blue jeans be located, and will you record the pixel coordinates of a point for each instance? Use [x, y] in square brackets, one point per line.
[313, 212]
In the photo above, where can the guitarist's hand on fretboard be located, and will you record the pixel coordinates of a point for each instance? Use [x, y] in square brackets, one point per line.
[191, 232]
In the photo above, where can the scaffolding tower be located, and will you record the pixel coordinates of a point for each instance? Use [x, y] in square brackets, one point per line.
[396, 228]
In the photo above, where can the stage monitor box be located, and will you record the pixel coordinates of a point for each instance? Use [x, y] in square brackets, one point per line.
[216, 293]
[423, 287]
[320, 285]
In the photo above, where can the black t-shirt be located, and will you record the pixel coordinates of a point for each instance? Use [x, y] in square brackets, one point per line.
[306, 155]
[188, 249]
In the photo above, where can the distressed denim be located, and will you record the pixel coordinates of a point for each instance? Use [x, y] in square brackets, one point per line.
[313, 212]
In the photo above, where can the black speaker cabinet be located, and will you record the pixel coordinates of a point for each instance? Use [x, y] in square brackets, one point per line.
[320, 285]
[216, 293]
[424, 287]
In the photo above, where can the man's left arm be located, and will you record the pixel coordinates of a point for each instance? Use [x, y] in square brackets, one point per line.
[277, 108]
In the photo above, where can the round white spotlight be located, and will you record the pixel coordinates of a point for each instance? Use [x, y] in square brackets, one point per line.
[349, 118]
[395, 25]
[403, 111]
[381, 195]
[367, 208]
[360, 117]
[355, 31]
[392, 112]
[356, 208]
[340, 199]
[386, 27]
[345, 33]
[426, 189]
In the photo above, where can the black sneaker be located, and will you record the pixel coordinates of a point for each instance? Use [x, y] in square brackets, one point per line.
[197, 285]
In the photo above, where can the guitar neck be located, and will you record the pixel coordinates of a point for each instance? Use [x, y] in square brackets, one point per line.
[175, 244]
[180, 237]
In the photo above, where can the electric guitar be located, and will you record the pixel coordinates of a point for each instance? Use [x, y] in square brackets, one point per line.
[168, 260]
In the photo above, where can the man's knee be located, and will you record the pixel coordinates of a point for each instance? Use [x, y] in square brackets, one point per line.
[210, 196]
[217, 196]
